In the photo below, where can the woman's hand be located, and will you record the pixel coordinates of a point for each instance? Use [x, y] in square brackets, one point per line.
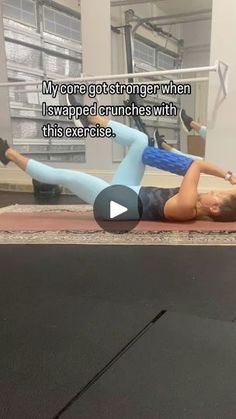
[232, 180]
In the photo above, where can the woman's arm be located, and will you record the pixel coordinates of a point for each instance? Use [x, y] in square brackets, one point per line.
[211, 169]
[183, 205]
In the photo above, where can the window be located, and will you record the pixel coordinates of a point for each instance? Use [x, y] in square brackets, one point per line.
[61, 24]
[150, 57]
[165, 61]
[33, 54]
[144, 53]
[20, 10]
[61, 66]
[21, 55]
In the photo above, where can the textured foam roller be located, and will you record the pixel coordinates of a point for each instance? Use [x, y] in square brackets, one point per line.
[166, 160]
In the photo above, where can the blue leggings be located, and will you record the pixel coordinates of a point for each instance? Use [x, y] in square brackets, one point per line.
[130, 172]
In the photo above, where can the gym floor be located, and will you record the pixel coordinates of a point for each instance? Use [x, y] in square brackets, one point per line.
[116, 332]
[12, 198]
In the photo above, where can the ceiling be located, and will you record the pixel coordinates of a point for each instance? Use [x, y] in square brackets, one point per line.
[171, 6]
[180, 6]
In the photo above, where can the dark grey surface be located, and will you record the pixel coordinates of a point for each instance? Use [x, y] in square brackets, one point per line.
[65, 311]
[195, 280]
[55, 336]
[183, 367]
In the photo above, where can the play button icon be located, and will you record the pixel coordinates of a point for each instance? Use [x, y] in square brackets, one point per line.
[117, 209]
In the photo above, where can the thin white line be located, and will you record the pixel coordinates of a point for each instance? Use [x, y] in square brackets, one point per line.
[166, 81]
[117, 76]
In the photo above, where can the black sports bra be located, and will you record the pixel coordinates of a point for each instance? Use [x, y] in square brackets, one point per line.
[154, 200]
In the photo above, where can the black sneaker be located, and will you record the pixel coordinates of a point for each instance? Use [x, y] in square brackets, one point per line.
[186, 121]
[83, 121]
[3, 148]
[151, 142]
[160, 139]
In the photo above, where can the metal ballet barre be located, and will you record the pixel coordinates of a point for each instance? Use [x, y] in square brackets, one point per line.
[220, 68]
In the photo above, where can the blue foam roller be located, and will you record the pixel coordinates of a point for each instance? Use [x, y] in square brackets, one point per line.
[166, 160]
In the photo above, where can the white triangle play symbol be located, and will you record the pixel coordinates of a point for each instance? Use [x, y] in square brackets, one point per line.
[116, 209]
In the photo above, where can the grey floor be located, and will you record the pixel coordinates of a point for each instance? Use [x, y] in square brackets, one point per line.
[112, 332]
[11, 198]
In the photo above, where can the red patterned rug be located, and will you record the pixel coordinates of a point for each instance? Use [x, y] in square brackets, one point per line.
[84, 222]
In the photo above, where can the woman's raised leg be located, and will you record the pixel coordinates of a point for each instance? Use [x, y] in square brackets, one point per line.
[131, 170]
[85, 186]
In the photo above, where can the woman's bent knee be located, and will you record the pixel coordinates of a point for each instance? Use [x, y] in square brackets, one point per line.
[142, 138]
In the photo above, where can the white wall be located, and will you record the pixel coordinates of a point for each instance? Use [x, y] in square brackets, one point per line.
[197, 40]
[97, 61]
[221, 140]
